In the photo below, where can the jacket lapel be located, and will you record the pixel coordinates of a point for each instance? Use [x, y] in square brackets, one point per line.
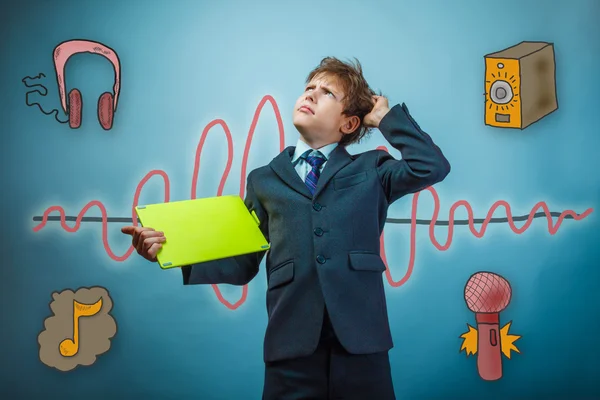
[282, 165]
[338, 159]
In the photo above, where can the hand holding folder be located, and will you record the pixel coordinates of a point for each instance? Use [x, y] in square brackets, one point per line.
[146, 241]
[199, 230]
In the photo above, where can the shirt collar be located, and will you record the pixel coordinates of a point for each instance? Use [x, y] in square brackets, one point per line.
[302, 147]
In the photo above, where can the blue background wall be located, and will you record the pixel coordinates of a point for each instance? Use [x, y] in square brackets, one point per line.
[190, 62]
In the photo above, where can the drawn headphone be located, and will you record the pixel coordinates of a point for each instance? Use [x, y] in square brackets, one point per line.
[107, 103]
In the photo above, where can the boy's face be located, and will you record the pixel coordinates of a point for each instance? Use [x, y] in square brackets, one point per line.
[318, 112]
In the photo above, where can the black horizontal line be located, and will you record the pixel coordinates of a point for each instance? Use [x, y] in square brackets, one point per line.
[388, 220]
[475, 220]
[85, 219]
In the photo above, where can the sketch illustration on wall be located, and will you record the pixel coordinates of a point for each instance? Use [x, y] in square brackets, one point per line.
[487, 294]
[80, 329]
[58, 214]
[72, 103]
[520, 85]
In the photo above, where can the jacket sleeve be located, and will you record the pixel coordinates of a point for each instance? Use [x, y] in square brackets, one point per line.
[238, 270]
[422, 164]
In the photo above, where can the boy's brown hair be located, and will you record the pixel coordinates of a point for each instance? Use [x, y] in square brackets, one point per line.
[357, 93]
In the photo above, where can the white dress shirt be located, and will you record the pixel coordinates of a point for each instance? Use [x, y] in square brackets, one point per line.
[302, 167]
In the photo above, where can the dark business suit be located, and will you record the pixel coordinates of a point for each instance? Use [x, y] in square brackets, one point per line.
[325, 248]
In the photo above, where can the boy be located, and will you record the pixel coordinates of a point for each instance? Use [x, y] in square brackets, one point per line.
[323, 211]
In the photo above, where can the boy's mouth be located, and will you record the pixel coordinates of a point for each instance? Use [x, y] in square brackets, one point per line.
[306, 109]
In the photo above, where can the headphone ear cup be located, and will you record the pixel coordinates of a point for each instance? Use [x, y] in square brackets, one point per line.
[75, 108]
[105, 110]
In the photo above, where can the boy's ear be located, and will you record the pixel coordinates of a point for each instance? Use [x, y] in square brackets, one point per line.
[350, 124]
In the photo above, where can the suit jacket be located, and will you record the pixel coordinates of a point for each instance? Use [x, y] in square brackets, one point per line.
[325, 249]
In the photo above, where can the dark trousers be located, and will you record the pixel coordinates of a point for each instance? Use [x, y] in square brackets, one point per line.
[330, 373]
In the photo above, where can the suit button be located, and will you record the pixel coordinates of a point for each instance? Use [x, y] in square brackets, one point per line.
[320, 259]
[319, 232]
[317, 206]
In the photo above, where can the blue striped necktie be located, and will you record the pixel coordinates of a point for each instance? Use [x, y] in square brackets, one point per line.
[315, 162]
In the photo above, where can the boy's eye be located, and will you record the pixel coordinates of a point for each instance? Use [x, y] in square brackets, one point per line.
[327, 92]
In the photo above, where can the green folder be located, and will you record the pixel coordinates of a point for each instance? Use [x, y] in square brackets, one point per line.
[203, 229]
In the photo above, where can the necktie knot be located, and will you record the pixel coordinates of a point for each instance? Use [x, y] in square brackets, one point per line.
[315, 160]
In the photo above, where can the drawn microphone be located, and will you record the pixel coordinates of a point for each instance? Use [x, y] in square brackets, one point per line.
[487, 294]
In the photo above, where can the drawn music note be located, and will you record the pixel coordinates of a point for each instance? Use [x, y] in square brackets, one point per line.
[70, 347]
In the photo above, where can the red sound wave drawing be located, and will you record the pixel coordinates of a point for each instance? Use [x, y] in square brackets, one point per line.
[552, 229]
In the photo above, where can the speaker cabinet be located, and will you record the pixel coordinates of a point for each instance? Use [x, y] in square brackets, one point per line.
[520, 85]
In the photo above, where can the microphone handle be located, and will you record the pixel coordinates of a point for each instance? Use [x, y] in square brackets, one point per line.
[489, 353]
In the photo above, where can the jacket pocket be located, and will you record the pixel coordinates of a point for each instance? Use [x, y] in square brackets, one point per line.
[347, 181]
[364, 261]
[281, 275]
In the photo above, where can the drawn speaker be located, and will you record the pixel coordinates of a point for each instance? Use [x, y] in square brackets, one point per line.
[520, 85]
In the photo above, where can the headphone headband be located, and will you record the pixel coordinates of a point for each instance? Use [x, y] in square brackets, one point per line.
[66, 49]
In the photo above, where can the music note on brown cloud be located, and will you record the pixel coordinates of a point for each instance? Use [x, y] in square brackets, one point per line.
[70, 347]
[80, 329]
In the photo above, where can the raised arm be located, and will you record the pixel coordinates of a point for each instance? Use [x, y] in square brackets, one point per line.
[423, 164]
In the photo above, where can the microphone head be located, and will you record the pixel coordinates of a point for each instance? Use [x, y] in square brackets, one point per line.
[486, 292]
